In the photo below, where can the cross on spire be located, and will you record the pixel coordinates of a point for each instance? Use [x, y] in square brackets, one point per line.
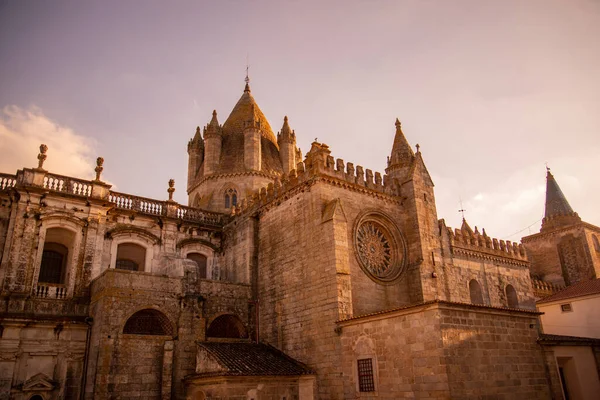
[247, 69]
[462, 210]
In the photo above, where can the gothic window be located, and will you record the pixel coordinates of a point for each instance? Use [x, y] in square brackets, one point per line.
[366, 380]
[54, 259]
[596, 243]
[475, 292]
[227, 326]
[230, 198]
[511, 297]
[200, 260]
[148, 322]
[130, 257]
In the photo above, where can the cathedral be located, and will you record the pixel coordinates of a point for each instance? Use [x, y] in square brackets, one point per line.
[287, 276]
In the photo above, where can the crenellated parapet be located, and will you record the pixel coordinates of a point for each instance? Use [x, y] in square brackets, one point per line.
[543, 289]
[319, 165]
[470, 242]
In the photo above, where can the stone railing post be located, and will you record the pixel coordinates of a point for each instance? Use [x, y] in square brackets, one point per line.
[100, 189]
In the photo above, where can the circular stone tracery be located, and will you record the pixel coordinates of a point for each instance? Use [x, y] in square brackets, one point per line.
[379, 247]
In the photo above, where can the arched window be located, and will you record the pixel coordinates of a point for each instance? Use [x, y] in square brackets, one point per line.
[227, 326]
[200, 260]
[56, 254]
[230, 198]
[36, 397]
[148, 322]
[130, 257]
[596, 243]
[475, 292]
[511, 297]
[54, 262]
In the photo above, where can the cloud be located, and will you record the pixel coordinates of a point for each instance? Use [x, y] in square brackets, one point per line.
[23, 130]
[514, 205]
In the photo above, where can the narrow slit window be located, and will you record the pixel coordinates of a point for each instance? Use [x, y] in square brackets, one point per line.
[366, 380]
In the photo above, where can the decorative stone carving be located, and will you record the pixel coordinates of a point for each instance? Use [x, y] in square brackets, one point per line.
[42, 156]
[380, 247]
[99, 168]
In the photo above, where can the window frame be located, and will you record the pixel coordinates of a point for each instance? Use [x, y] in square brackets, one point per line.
[365, 380]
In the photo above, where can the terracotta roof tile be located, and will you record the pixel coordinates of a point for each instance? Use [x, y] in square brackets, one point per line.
[579, 289]
[244, 358]
[548, 338]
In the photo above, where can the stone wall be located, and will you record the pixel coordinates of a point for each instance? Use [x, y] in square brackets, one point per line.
[45, 355]
[250, 388]
[444, 350]
[564, 256]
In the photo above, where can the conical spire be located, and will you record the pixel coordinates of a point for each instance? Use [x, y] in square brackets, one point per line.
[558, 210]
[197, 135]
[556, 202]
[402, 154]
[286, 132]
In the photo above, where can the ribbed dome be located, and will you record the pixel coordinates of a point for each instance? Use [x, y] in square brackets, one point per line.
[232, 153]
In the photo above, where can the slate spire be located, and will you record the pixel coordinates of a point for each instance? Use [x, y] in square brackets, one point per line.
[558, 211]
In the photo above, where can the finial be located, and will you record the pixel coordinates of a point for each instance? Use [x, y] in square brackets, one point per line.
[214, 113]
[197, 130]
[247, 79]
[285, 119]
[398, 124]
[42, 156]
[418, 147]
[171, 189]
[99, 168]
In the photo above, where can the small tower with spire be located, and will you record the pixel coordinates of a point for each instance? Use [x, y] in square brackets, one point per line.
[558, 212]
[213, 140]
[563, 252]
[195, 156]
[402, 156]
[252, 137]
[286, 139]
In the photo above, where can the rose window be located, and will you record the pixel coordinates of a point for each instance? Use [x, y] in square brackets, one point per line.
[374, 248]
[379, 247]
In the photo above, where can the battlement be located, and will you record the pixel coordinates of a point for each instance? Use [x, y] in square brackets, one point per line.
[543, 289]
[318, 163]
[468, 239]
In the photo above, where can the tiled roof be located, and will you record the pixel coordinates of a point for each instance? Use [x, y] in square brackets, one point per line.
[579, 289]
[244, 358]
[548, 338]
[470, 305]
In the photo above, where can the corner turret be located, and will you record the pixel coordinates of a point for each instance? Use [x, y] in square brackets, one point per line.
[195, 156]
[402, 156]
[252, 141]
[213, 138]
[286, 139]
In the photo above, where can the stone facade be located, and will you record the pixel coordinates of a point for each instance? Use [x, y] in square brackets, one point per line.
[107, 295]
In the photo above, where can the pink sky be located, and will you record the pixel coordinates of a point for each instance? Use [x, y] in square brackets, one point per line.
[491, 90]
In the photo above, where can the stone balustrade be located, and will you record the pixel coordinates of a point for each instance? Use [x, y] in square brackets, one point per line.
[136, 203]
[7, 181]
[50, 290]
[67, 184]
